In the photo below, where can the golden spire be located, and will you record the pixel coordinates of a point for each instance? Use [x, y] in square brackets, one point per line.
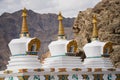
[95, 31]
[24, 30]
[61, 28]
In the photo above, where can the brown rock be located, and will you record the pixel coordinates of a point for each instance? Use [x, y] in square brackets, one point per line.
[45, 55]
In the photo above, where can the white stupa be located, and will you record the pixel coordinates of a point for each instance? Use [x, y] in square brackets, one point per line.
[58, 50]
[24, 63]
[24, 49]
[97, 52]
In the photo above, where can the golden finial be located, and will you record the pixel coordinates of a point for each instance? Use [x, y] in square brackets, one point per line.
[61, 28]
[24, 30]
[95, 31]
[60, 16]
[94, 19]
[24, 12]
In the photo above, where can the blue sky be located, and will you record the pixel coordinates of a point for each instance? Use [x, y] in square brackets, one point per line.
[69, 8]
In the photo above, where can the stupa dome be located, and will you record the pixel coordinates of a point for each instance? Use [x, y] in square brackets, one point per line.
[58, 47]
[23, 45]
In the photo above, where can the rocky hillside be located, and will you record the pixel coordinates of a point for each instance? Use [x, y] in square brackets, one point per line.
[108, 15]
[43, 26]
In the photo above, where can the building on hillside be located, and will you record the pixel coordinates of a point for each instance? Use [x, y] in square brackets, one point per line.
[63, 64]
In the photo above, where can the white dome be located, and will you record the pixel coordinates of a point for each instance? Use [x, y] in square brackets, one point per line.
[58, 47]
[19, 46]
[94, 49]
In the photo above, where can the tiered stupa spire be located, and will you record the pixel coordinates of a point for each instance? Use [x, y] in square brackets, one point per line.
[61, 34]
[24, 30]
[95, 30]
[22, 50]
[96, 49]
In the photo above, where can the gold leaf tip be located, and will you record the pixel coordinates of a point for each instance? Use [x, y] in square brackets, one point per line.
[94, 19]
[24, 12]
[60, 16]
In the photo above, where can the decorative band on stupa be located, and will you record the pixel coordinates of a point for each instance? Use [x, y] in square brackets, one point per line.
[24, 29]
